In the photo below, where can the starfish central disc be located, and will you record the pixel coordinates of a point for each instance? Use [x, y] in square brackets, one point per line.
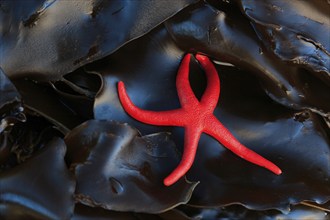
[196, 117]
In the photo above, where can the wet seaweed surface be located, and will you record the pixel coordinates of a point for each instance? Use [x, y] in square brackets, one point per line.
[68, 150]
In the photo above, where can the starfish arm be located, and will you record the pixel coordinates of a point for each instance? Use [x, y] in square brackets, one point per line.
[223, 135]
[166, 118]
[212, 91]
[185, 93]
[191, 139]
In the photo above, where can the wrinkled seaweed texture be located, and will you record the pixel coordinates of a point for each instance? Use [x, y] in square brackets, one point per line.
[64, 35]
[128, 168]
[10, 102]
[8, 91]
[11, 112]
[238, 212]
[40, 188]
[227, 36]
[295, 31]
[62, 61]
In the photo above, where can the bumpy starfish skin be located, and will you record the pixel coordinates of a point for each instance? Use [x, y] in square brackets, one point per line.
[196, 117]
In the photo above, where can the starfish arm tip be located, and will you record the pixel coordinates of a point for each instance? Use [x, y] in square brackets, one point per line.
[174, 176]
[277, 171]
[200, 57]
[168, 182]
[270, 166]
[121, 87]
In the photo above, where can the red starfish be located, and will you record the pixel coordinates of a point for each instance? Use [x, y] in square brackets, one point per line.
[196, 117]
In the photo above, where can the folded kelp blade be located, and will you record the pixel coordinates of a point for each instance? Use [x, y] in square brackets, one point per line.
[227, 35]
[66, 103]
[45, 101]
[295, 31]
[116, 169]
[28, 138]
[238, 212]
[83, 212]
[77, 91]
[9, 97]
[40, 188]
[64, 35]
[11, 112]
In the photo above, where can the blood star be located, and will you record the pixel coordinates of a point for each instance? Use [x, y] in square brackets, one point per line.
[196, 117]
